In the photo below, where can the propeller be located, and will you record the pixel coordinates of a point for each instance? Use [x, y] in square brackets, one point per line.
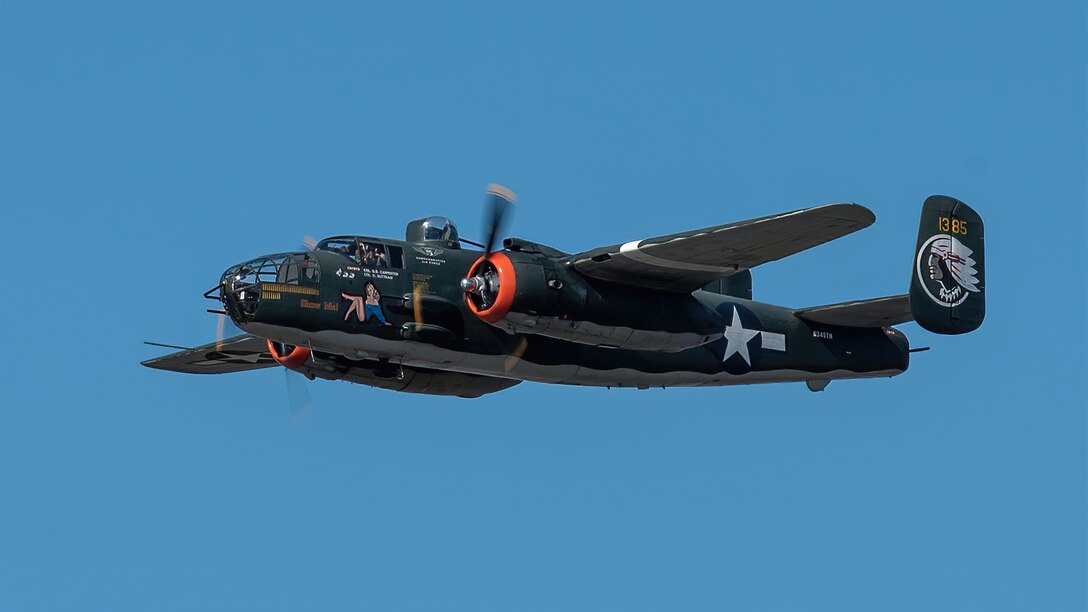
[417, 305]
[299, 401]
[500, 202]
[220, 330]
[514, 357]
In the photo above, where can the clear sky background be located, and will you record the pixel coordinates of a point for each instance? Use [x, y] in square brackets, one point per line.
[145, 147]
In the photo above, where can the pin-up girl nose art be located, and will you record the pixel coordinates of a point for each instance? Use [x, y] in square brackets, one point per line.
[367, 306]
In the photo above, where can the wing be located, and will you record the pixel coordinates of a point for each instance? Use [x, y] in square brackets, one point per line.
[247, 352]
[690, 260]
[877, 312]
[237, 354]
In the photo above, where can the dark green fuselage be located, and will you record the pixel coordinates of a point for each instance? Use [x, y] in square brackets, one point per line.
[563, 328]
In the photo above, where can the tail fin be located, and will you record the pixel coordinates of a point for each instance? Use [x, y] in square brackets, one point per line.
[948, 283]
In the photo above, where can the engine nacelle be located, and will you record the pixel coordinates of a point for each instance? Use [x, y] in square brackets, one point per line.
[532, 294]
[290, 357]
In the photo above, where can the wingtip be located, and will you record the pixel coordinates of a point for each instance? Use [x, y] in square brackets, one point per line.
[853, 211]
[869, 217]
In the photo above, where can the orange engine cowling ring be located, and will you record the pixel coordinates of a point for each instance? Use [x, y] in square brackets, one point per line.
[292, 360]
[507, 288]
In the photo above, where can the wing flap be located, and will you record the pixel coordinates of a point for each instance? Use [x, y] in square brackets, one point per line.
[237, 354]
[689, 260]
[877, 312]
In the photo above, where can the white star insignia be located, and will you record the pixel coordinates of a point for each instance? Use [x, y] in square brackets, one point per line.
[736, 338]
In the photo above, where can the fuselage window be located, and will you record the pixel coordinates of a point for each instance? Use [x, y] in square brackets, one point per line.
[396, 256]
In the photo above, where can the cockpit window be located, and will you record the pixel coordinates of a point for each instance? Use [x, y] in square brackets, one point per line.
[373, 255]
[365, 252]
[378, 255]
[341, 246]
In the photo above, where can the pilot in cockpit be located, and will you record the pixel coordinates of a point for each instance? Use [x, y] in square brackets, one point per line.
[373, 255]
[379, 257]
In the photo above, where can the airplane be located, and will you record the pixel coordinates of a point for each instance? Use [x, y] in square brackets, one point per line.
[441, 315]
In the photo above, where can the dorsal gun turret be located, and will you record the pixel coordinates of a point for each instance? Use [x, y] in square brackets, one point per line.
[436, 231]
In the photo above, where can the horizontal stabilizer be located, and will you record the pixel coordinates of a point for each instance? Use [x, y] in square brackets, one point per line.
[877, 312]
[237, 354]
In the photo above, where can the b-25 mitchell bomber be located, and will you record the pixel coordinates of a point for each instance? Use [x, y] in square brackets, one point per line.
[432, 314]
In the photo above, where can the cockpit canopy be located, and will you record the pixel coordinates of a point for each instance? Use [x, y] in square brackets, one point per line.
[433, 230]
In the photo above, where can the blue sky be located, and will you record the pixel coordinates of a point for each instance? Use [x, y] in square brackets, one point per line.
[145, 147]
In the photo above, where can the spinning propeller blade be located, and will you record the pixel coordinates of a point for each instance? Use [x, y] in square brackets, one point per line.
[515, 357]
[500, 201]
[220, 330]
[299, 401]
[417, 306]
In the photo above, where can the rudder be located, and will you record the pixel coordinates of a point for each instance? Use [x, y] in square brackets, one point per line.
[947, 286]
